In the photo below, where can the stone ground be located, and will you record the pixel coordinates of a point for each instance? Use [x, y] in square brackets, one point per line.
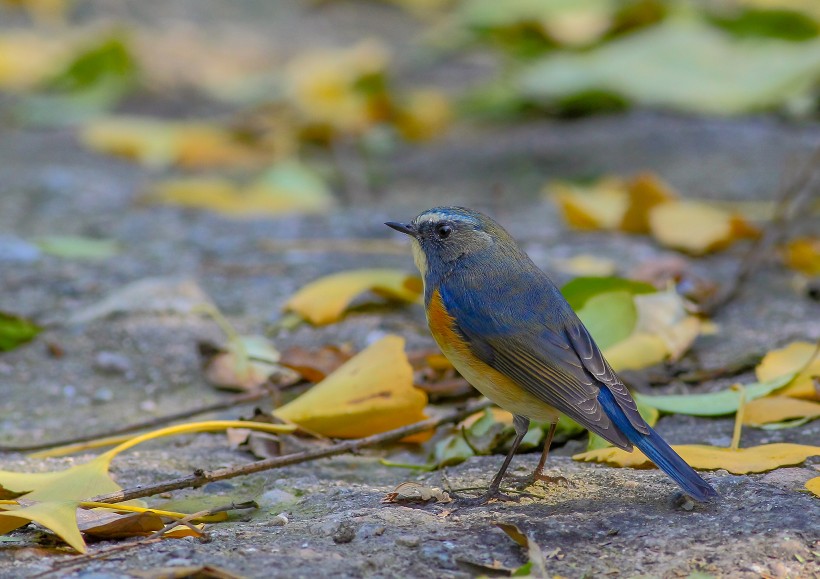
[608, 522]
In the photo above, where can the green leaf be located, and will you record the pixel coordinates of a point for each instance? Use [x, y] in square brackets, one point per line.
[106, 61]
[581, 289]
[78, 247]
[713, 403]
[609, 317]
[684, 65]
[783, 24]
[15, 330]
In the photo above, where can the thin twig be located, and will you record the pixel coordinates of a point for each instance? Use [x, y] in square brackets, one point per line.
[199, 477]
[788, 206]
[162, 420]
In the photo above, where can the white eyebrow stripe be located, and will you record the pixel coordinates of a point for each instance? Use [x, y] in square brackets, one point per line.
[440, 216]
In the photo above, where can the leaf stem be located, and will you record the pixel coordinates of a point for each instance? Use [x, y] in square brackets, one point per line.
[741, 410]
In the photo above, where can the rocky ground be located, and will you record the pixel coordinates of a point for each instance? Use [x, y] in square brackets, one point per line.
[607, 522]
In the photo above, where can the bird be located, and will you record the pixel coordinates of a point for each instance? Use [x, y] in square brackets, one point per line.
[508, 330]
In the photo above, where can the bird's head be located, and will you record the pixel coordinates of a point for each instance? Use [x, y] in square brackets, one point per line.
[444, 235]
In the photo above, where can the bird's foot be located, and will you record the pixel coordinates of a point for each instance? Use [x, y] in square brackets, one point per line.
[551, 480]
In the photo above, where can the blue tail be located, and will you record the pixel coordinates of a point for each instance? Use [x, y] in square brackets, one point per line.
[656, 449]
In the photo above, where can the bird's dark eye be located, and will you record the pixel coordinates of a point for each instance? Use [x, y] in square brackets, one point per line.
[443, 231]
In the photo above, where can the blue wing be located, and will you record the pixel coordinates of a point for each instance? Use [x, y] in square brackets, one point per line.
[525, 329]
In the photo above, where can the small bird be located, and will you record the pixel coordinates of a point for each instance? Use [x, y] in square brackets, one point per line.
[507, 329]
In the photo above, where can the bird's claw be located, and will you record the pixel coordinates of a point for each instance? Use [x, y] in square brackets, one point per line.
[551, 480]
[492, 495]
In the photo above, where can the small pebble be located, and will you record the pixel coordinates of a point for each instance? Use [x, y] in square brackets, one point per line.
[113, 363]
[411, 541]
[344, 533]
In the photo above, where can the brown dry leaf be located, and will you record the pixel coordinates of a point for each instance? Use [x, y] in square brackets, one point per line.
[413, 492]
[315, 365]
[696, 227]
[646, 191]
[803, 254]
[742, 461]
[245, 364]
[789, 359]
[324, 301]
[777, 409]
[372, 392]
[813, 485]
[105, 524]
[599, 206]
[160, 143]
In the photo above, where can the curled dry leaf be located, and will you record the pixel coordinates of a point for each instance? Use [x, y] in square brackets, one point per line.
[245, 364]
[741, 461]
[777, 409]
[802, 358]
[324, 301]
[372, 392]
[315, 365]
[413, 492]
[599, 206]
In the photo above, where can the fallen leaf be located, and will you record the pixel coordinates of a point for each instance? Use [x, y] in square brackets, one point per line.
[324, 301]
[685, 64]
[696, 227]
[186, 572]
[645, 192]
[77, 247]
[372, 392]
[598, 206]
[813, 485]
[285, 188]
[742, 461]
[27, 59]
[713, 403]
[57, 515]
[664, 314]
[425, 114]
[585, 265]
[777, 409]
[150, 295]
[581, 289]
[158, 143]
[803, 255]
[413, 492]
[15, 330]
[104, 524]
[610, 317]
[801, 358]
[315, 365]
[245, 364]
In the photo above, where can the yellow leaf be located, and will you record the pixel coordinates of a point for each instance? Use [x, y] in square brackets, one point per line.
[159, 143]
[640, 350]
[325, 300]
[601, 206]
[664, 314]
[645, 192]
[372, 392]
[263, 197]
[777, 409]
[426, 115]
[27, 60]
[792, 358]
[803, 254]
[77, 482]
[586, 265]
[695, 227]
[742, 461]
[59, 516]
[813, 485]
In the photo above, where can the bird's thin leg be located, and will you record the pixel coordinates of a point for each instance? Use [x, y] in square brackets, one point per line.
[538, 473]
[521, 426]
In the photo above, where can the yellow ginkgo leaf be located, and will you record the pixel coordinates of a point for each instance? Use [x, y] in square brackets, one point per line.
[59, 516]
[742, 461]
[777, 409]
[797, 356]
[601, 206]
[645, 192]
[370, 393]
[638, 351]
[814, 485]
[77, 482]
[324, 301]
[159, 143]
[425, 115]
[27, 60]
[803, 254]
[696, 227]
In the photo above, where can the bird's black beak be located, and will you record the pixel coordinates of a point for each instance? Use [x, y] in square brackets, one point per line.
[403, 227]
